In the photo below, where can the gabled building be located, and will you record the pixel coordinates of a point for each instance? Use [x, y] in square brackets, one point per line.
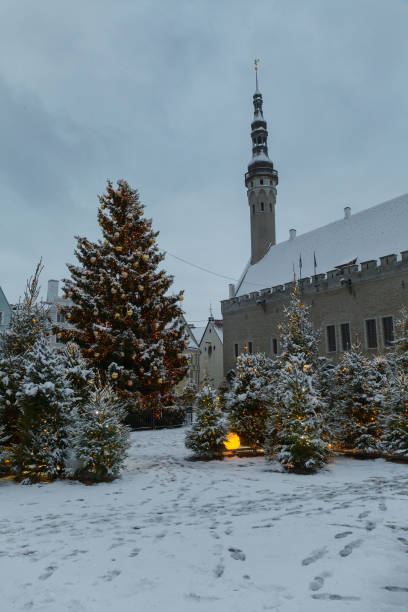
[352, 272]
[210, 341]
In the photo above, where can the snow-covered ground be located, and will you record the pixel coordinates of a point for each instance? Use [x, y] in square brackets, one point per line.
[233, 535]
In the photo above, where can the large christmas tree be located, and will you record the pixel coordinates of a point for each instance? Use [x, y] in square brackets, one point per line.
[123, 319]
[295, 434]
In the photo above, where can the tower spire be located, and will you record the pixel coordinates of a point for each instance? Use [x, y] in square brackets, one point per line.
[261, 181]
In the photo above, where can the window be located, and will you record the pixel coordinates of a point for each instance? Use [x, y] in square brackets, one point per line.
[345, 336]
[331, 338]
[236, 350]
[261, 181]
[253, 209]
[262, 206]
[270, 206]
[274, 346]
[210, 351]
[388, 330]
[1, 318]
[371, 333]
[250, 347]
[60, 317]
[270, 182]
[252, 183]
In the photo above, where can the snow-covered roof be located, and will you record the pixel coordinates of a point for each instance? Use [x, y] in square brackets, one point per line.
[218, 328]
[370, 234]
[198, 332]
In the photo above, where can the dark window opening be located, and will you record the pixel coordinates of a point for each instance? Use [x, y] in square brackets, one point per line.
[262, 206]
[252, 183]
[253, 209]
[60, 317]
[331, 338]
[275, 346]
[209, 351]
[261, 181]
[236, 350]
[270, 206]
[371, 330]
[250, 347]
[388, 330]
[345, 336]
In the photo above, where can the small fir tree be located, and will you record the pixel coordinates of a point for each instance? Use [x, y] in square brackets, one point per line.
[359, 402]
[207, 435]
[101, 440]
[394, 439]
[29, 322]
[248, 401]
[44, 424]
[123, 319]
[295, 433]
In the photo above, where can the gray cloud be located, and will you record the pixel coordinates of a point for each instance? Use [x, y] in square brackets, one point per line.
[160, 93]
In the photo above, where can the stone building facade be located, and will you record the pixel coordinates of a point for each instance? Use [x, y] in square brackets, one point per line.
[210, 341]
[352, 272]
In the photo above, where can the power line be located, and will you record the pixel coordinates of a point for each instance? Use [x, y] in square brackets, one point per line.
[189, 263]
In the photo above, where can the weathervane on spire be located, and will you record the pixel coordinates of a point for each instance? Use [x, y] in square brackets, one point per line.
[256, 62]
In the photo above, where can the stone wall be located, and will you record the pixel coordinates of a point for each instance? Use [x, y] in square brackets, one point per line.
[371, 290]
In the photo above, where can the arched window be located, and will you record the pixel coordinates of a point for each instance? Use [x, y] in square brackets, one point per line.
[253, 209]
[262, 206]
[270, 206]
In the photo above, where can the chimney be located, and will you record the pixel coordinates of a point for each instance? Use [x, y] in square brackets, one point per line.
[347, 212]
[231, 290]
[292, 234]
[52, 292]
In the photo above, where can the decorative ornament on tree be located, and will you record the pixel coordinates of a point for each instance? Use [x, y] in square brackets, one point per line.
[124, 275]
[93, 259]
[140, 287]
[114, 375]
[129, 313]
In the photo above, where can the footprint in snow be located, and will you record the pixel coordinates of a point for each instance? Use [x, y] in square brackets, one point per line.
[135, 552]
[109, 576]
[219, 570]
[370, 525]
[318, 581]
[343, 534]
[236, 553]
[382, 506]
[396, 589]
[363, 514]
[315, 556]
[48, 572]
[348, 549]
[334, 597]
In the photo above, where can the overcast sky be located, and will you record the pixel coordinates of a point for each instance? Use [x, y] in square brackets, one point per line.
[160, 93]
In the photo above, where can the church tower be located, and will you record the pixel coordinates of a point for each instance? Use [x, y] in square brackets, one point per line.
[261, 181]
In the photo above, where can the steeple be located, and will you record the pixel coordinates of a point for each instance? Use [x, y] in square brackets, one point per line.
[260, 181]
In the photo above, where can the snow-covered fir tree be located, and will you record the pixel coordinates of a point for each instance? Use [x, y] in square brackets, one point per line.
[124, 321]
[78, 372]
[4, 451]
[395, 419]
[100, 438]
[45, 400]
[248, 402]
[359, 402]
[29, 322]
[295, 432]
[400, 344]
[207, 435]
